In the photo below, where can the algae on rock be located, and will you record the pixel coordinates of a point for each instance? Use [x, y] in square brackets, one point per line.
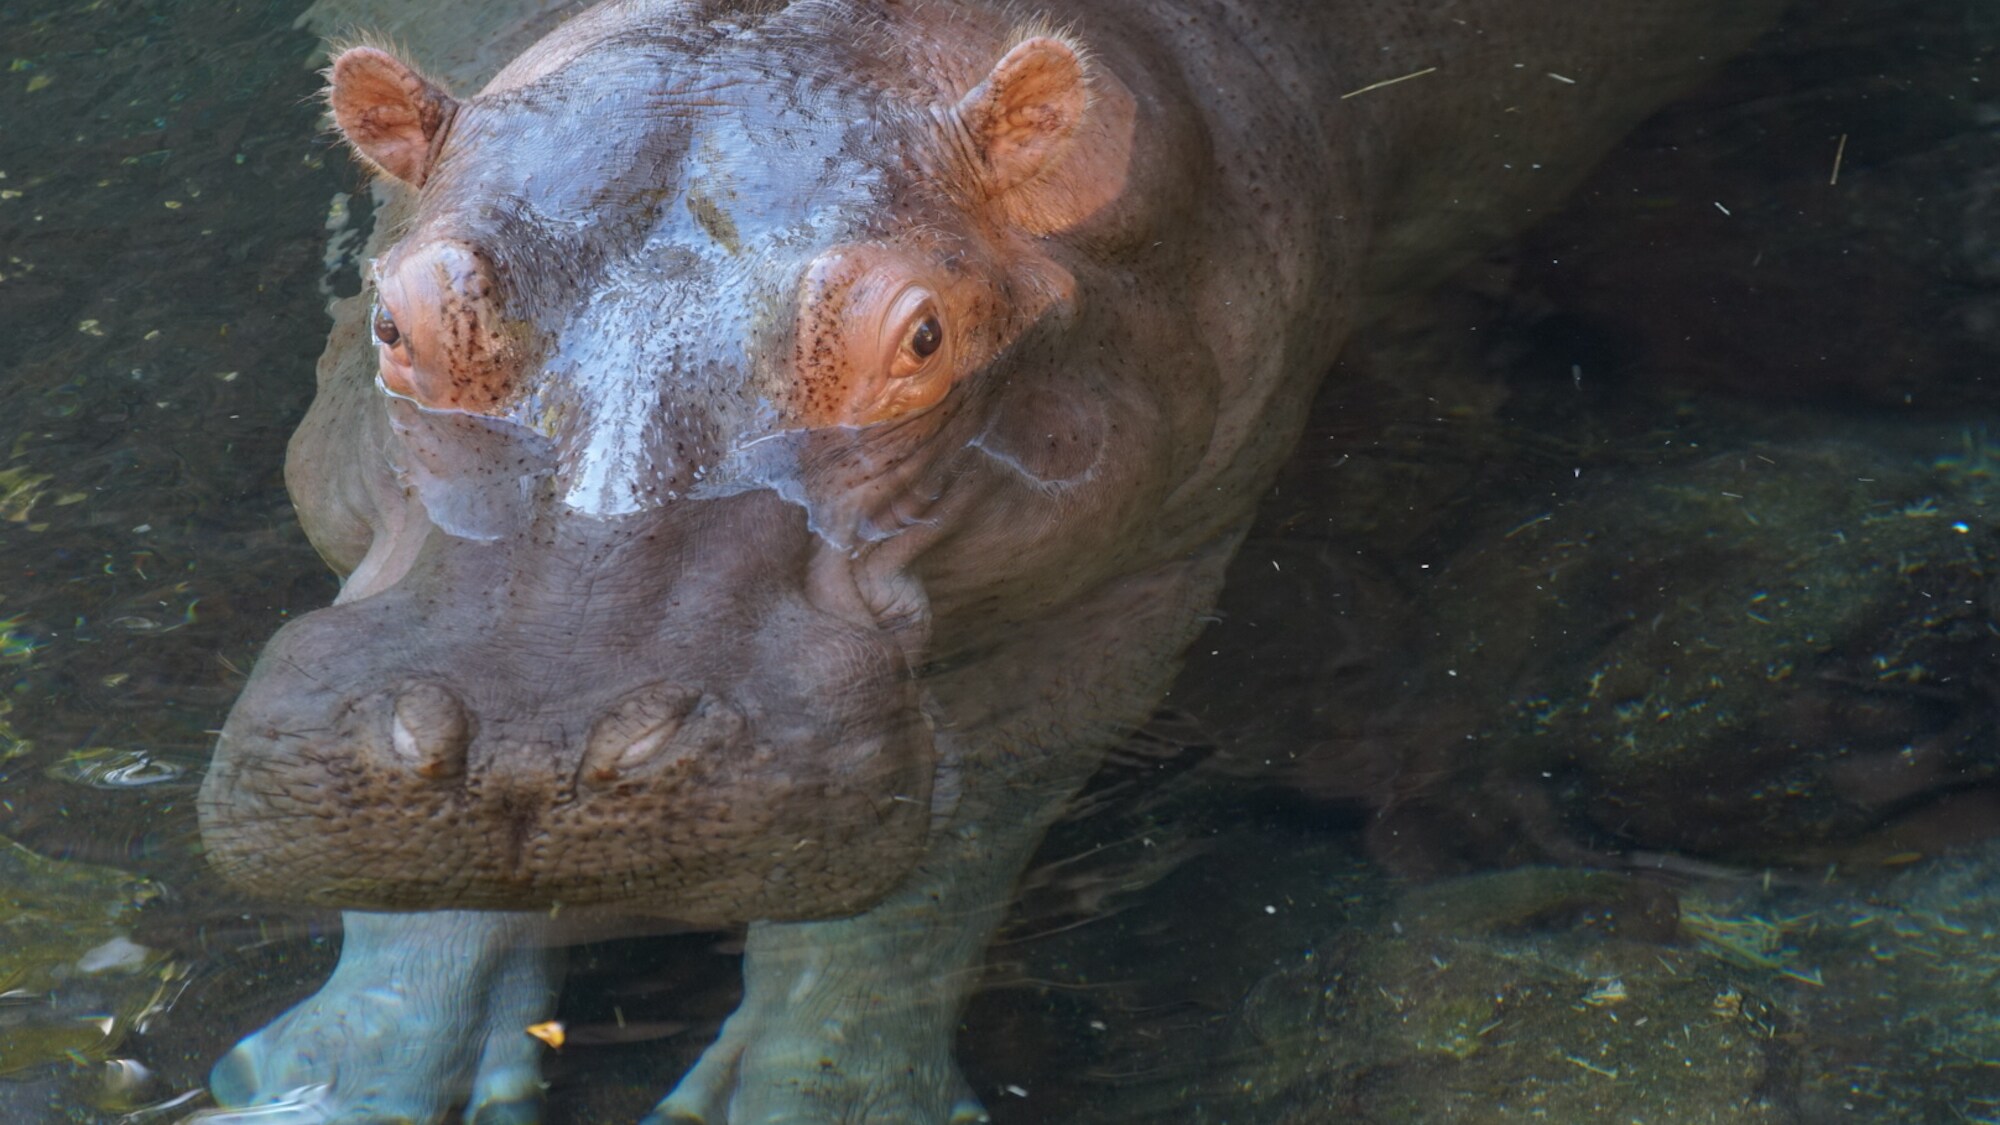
[73, 983]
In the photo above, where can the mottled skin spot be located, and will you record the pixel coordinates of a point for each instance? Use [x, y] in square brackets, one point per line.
[714, 220]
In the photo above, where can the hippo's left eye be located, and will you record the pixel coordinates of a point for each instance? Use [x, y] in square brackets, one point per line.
[920, 333]
[926, 337]
[876, 339]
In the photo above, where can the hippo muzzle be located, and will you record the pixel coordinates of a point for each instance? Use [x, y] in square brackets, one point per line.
[660, 714]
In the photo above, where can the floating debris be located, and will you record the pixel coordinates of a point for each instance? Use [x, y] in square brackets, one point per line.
[12, 745]
[111, 767]
[1388, 82]
[1751, 941]
[1606, 993]
[17, 645]
[19, 489]
[1586, 1065]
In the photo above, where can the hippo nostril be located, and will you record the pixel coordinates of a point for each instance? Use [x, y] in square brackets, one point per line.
[431, 730]
[635, 731]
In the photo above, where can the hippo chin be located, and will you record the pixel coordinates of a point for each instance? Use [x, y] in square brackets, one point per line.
[781, 445]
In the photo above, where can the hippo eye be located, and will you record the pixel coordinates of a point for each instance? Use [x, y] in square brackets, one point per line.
[385, 327]
[922, 336]
[926, 337]
[875, 338]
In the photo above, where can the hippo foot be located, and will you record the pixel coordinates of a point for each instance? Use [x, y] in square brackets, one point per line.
[846, 1020]
[758, 1074]
[423, 1013]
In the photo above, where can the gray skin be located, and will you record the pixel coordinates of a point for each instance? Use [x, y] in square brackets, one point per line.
[691, 576]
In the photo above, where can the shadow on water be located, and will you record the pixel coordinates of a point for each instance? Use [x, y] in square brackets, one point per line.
[1649, 559]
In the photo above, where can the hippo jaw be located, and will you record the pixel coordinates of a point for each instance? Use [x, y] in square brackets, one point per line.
[707, 748]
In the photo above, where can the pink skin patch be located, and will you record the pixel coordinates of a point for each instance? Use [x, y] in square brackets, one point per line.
[440, 338]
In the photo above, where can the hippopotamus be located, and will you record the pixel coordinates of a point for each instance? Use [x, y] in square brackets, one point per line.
[780, 445]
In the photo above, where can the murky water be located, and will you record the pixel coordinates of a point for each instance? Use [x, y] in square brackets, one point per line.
[1654, 554]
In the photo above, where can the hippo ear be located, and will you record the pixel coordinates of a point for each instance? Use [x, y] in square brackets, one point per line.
[390, 114]
[1052, 141]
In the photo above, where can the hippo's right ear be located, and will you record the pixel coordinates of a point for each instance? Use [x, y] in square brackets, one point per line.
[393, 116]
[1050, 133]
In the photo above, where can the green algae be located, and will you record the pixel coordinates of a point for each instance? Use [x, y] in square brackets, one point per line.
[73, 983]
[19, 491]
[12, 745]
[1512, 997]
[17, 645]
[1758, 657]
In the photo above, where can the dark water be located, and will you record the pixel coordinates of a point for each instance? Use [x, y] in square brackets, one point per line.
[161, 244]
[1653, 557]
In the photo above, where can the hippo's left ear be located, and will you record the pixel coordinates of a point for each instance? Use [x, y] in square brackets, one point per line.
[1052, 142]
[393, 116]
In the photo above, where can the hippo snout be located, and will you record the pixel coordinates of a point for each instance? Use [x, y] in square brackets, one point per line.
[648, 732]
[677, 753]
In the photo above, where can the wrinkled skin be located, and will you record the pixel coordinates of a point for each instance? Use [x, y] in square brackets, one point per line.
[780, 446]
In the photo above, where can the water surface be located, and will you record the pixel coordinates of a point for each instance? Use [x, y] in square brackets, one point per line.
[1768, 326]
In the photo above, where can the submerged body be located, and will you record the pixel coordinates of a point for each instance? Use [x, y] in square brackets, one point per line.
[783, 444]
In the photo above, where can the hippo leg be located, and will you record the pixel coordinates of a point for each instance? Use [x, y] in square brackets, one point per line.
[424, 1011]
[852, 1020]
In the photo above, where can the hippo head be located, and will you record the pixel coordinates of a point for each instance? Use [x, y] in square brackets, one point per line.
[715, 390]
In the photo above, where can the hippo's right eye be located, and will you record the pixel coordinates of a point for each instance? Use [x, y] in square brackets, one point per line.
[385, 327]
[394, 366]
[920, 327]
